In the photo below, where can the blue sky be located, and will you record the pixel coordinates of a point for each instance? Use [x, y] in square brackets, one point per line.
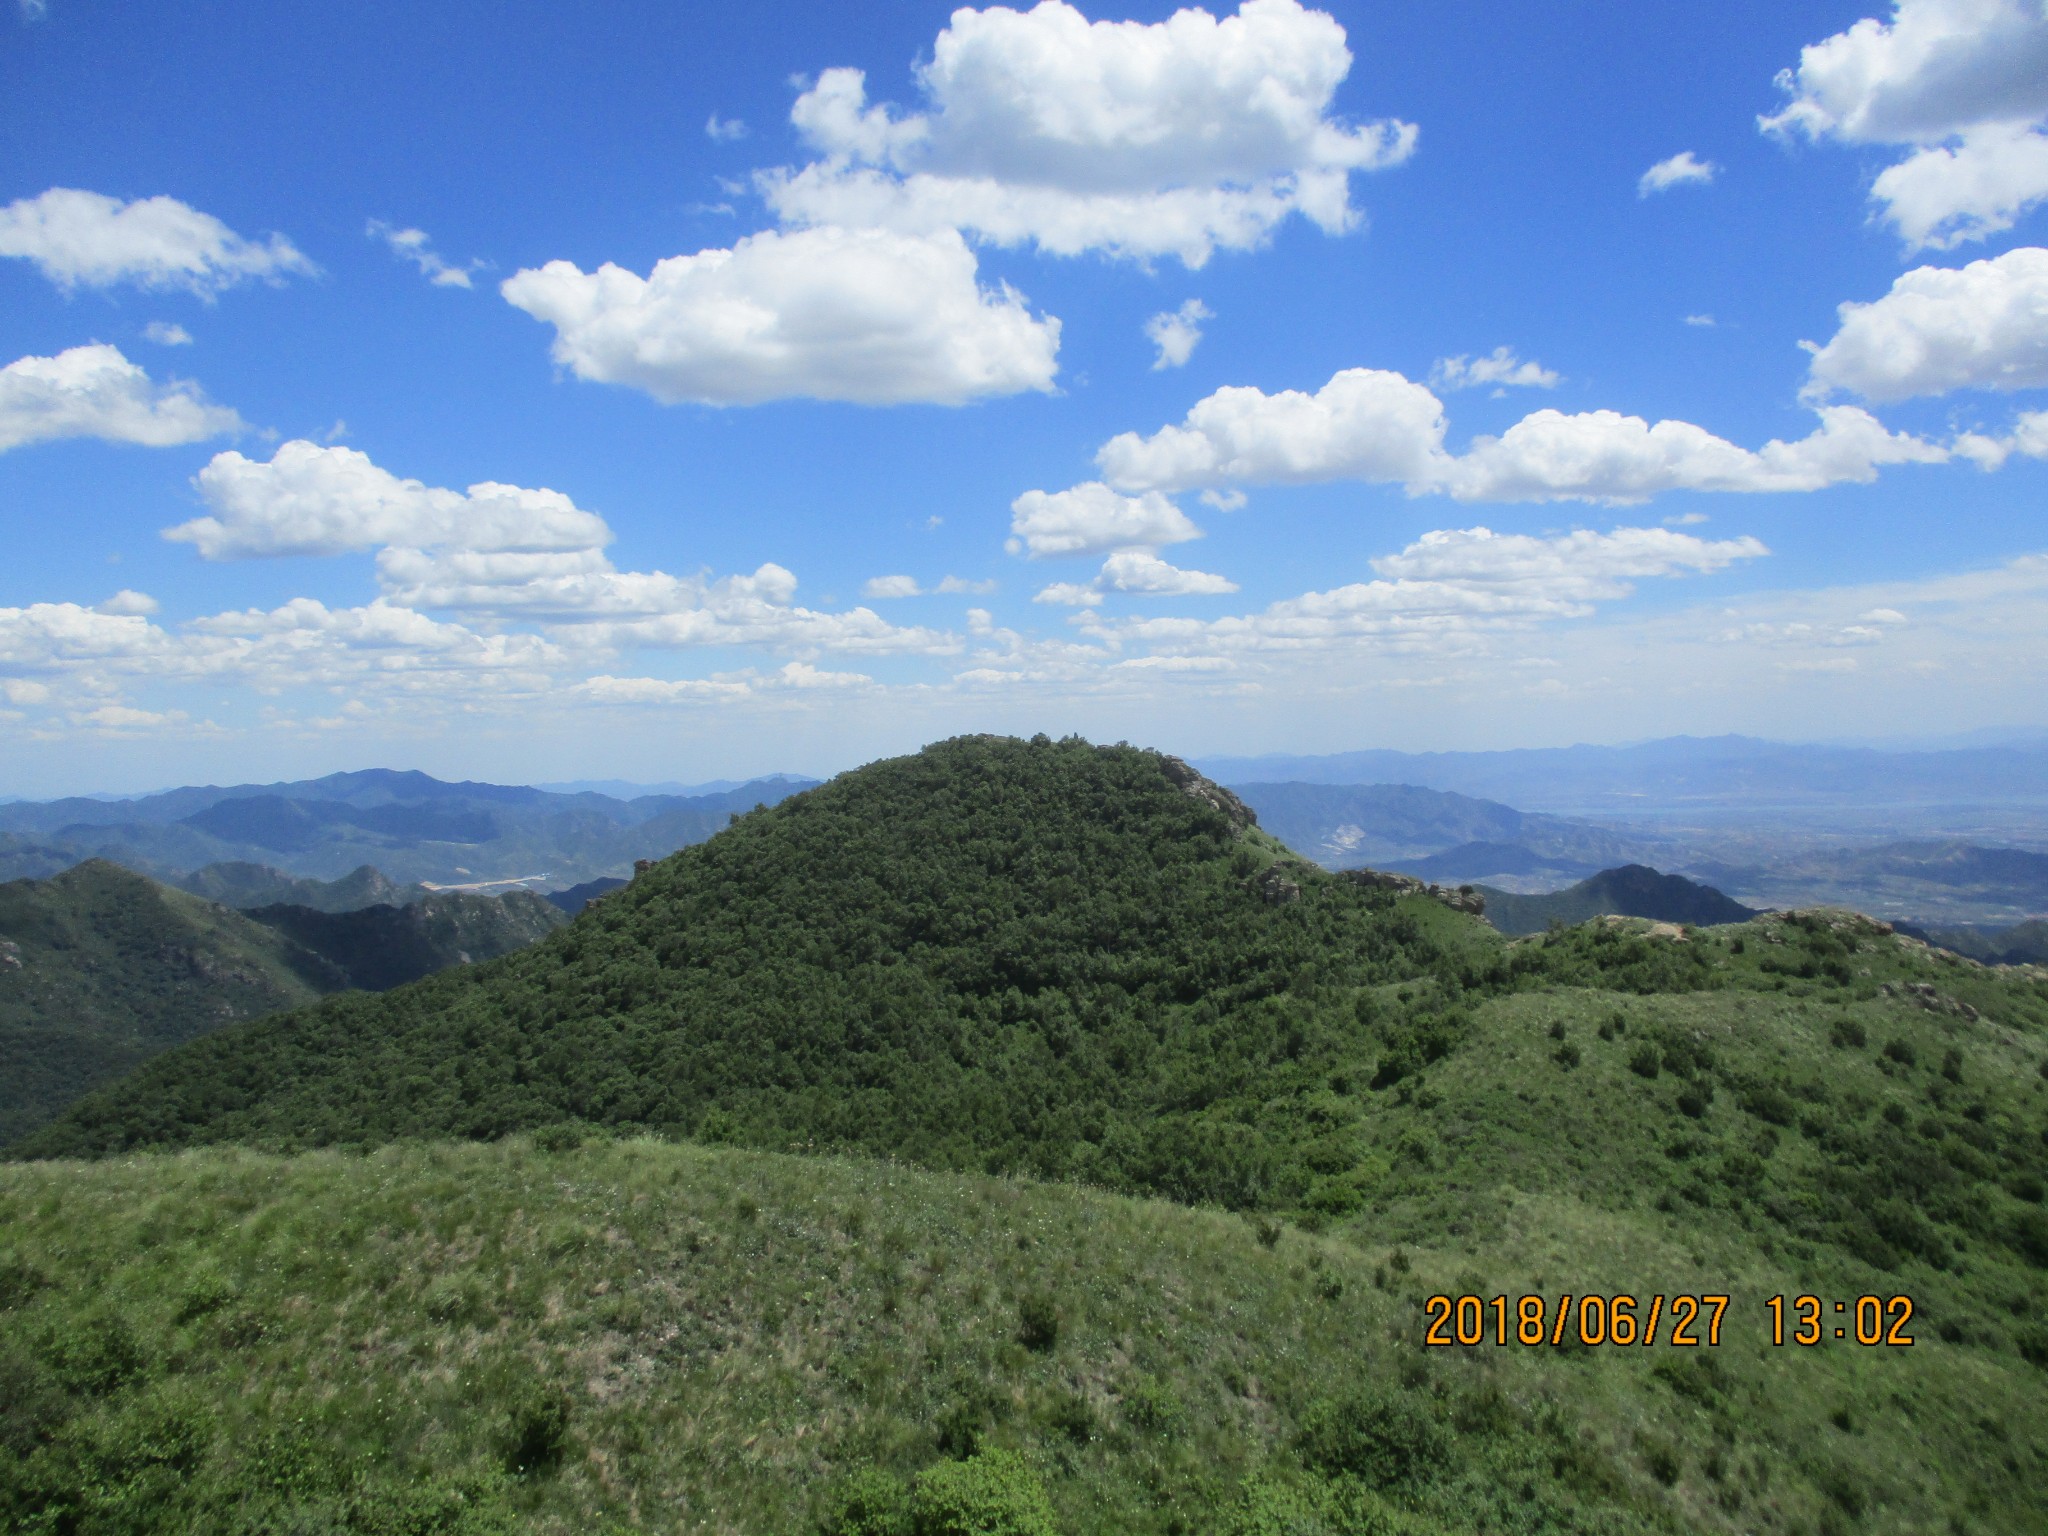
[1281, 378]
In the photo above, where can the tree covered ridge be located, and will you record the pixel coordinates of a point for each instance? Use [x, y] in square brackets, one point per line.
[1046, 956]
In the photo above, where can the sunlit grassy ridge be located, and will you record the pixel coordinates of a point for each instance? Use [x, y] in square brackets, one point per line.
[643, 1336]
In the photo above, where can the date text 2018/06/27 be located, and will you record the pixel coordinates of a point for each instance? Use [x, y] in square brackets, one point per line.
[1680, 1320]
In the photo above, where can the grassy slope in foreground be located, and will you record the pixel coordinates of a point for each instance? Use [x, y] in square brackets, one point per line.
[637, 1336]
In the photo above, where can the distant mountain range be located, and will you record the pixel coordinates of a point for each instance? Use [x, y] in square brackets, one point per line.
[1945, 880]
[1731, 818]
[2021, 944]
[1680, 773]
[1448, 837]
[627, 789]
[243, 886]
[411, 827]
[1394, 826]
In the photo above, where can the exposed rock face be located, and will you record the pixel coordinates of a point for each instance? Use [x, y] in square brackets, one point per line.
[10, 955]
[1463, 899]
[1211, 794]
[1274, 885]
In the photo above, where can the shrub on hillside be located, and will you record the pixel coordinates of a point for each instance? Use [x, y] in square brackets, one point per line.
[1038, 1322]
[993, 1493]
[869, 1503]
[1381, 1438]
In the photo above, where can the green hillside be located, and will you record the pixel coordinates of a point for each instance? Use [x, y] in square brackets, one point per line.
[634, 1336]
[379, 947]
[101, 969]
[1044, 957]
[1635, 890]
[1043, 960]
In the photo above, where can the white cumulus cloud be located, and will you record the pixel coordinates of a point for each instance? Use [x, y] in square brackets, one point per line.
[1963, 84]
[94, 391]
[1377, 426]
[1365, 424]
[1139, 572]
[1142, 140]
[2028, 438]
[1091, 518]
[167, 334]
[1578, 567]
[502, 553]
[1982, 326]
[86, 239]
[606, 689]
[1608, 457]
[1449, 588]
[310, 500]
[1675, 171]
[1175, 332]
[869, 316]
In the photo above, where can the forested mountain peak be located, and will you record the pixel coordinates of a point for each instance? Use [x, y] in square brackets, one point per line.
[1036, 954]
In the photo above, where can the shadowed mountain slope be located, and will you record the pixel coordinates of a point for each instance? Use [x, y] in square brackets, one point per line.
[1478, 861]
[380, 947]
[2021, 944]
[577, 897]
[102, 968]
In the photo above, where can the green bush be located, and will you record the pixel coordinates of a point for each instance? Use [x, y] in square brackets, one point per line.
[994, 1493]
[537, 1430]
[870, 1503]
[1152, 1404]
[96, 1354]
[1038, 1322]
[1381, 1438]
[566, 1137]
[1267, 1508]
